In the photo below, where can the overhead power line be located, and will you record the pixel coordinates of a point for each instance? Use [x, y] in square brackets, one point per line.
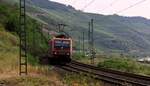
[110, 5]
[87, 5]
[113, 2]
[131, 6]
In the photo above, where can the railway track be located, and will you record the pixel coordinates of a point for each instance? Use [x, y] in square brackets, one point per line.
[108, 75]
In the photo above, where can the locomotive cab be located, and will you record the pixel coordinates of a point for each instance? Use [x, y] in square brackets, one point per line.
[60, 48]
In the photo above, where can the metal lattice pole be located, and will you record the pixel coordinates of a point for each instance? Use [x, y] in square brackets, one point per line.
[79, 39]
[23, 40]
[92, 50]
[92, 42]
[83, 44]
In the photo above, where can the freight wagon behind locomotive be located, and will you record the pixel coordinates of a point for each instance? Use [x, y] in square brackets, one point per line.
[60, 49]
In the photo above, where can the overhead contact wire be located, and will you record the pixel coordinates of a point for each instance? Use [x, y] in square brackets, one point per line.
[131, 6]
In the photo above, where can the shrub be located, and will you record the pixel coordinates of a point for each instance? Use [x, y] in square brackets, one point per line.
[122, 64]
[78, 56]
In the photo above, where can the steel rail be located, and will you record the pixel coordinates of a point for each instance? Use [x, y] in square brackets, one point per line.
[112, 76]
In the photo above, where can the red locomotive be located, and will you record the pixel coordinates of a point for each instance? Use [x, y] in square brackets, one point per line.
[60, 48]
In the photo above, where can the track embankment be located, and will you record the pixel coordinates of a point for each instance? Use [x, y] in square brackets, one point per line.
[108, 75]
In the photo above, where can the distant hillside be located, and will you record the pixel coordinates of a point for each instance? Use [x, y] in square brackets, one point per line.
[112, 33]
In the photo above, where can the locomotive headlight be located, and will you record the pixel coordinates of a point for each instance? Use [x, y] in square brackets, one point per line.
[68, 54]
[55, 52]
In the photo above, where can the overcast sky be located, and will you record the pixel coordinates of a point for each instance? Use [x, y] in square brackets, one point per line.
[108, 7]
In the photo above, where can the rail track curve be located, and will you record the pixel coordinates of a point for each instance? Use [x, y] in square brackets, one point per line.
[108, 75]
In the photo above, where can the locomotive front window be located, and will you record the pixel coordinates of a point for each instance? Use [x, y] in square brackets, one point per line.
[61, 44]
[58, 43]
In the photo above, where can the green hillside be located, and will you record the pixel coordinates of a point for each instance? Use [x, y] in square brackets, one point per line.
[9, 51]
[9, 38]
[112, 33]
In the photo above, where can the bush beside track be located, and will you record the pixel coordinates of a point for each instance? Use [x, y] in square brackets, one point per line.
[126, 65]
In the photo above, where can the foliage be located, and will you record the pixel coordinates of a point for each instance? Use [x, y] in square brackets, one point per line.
[34, 61]
[36, 42]
[9, 43]
[125, 64]
[9, 16]
[78, 56]
[8, 52]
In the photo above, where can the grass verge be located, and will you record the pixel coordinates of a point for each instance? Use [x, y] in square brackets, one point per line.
[73, 79]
